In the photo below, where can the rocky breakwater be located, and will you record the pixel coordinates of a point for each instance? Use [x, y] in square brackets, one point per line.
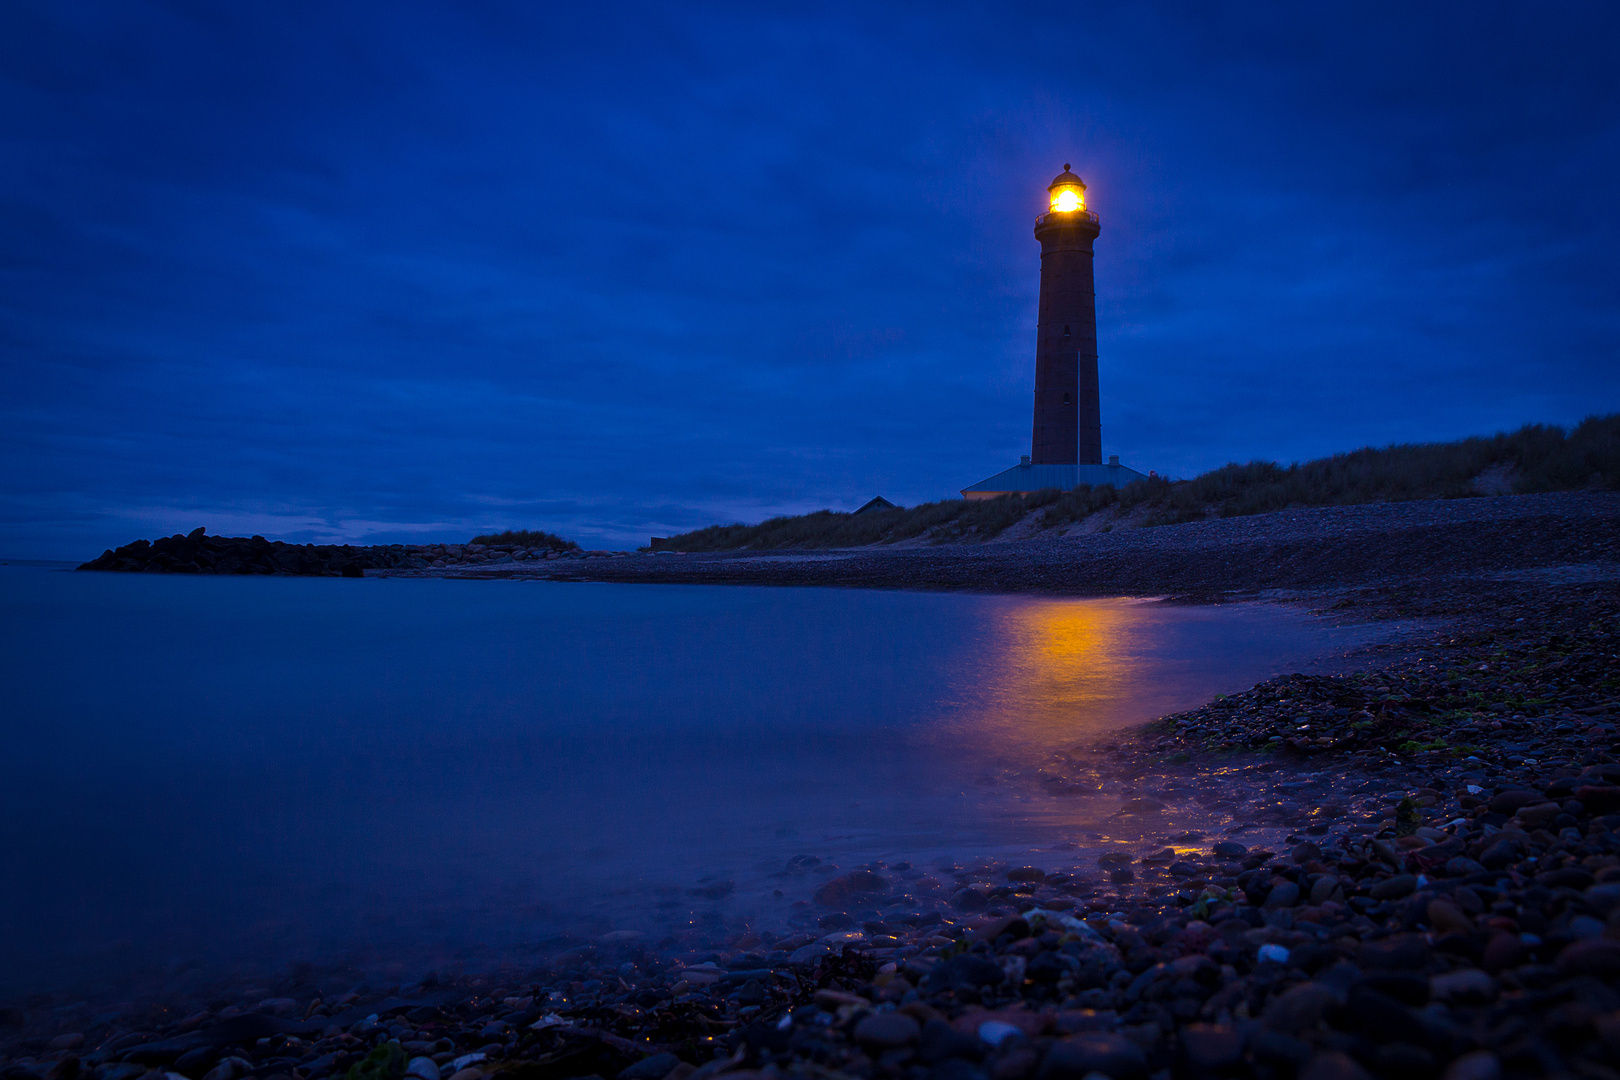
[198, 553]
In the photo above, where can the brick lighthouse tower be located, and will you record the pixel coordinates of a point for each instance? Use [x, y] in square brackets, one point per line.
[1068, 413]
[1065, 448]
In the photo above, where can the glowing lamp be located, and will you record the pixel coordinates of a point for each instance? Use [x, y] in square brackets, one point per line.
[1068, 192]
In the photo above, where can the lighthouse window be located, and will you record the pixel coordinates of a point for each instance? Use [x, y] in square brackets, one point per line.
[1065, 329]
[1065, 399]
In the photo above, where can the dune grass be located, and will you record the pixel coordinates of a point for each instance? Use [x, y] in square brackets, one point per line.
[1535, 458]
[527, 538]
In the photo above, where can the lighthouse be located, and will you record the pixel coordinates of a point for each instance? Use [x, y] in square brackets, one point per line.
[1068, 414]
[1065, 446]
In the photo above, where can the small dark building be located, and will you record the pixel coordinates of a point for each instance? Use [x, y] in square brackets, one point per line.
[878, 503]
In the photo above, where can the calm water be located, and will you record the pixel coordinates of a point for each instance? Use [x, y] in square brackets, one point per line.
[230, 771]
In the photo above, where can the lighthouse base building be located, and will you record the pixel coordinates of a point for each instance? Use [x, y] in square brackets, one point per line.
[1066, 442]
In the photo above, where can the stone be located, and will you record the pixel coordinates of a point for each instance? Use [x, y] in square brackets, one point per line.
[1462, 866]
[851, 886]
[71, 1041]
[1590, 956]
[1299, 1008]
[1015, 1064]
[424, 1068]
[1211, 1046]
[969, 900]
[1508, 802]
[1305, 852]
[1535, 817]
[655, 1067]
[1026, 873]
[1478, 1065]
[967, 970]
[1229, 849]
[1599, 799]
[197, 1062]
[1332, 1065]
[231, 1068]
[1324, 889]
[809, 954]
[1284, 894]
[940, 1041]
[1078, 1055]
[1405, 952]
[996, 1032]
[1393, 888]
[1503, 853]
[887, 1031]
[1603, 899]
[1502, 952]
[1467, 985]
[1447, 917]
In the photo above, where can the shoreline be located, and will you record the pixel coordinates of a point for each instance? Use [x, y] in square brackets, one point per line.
[1445, 899]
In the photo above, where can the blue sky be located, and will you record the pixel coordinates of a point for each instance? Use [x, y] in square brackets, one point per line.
[401, 271]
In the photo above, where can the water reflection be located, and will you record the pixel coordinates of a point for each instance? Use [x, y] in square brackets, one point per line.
[1062, 665]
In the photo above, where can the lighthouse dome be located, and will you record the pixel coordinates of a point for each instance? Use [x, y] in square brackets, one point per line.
[1066, 179]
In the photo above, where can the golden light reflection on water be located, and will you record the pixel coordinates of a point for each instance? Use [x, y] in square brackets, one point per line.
[1064, 665]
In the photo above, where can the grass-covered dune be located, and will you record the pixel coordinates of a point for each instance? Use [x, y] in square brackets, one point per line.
[1539, 457]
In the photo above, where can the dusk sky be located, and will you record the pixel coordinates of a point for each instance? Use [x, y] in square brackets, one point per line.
[395, 271]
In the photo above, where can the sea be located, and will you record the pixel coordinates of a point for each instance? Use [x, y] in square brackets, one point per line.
[227, 774]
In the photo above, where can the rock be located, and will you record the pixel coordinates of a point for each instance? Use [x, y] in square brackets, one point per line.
[887, 1031]
[1273, 952]
[197, 1062]
[1324, 889]
[851, 886]
[1599, 957]
[1078, 1055]
[1304, 853]
[1284, 894]
[1503, 853]
[1208, 1047]
[1332, 1065]
[967, 970]
[1279, 1050]
[969, 900]
[655, 1067]
[1468, 985]
[1508, 802]
[1229, 849]
[1026, 873]
[1502, 952]
[1478, 1065]
[1603, 899]
[71, 1041]
[1535, 817]
[1406, 987]
[809, 954]
[1462, 866]
[124, 1070]
[1447, 917]
[1604, 799]
[231, 1068]
[425, 1068]
[940, 1041]
[996, 1032]
[1299, 1008]
[1405, 952]
[1393, 888]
